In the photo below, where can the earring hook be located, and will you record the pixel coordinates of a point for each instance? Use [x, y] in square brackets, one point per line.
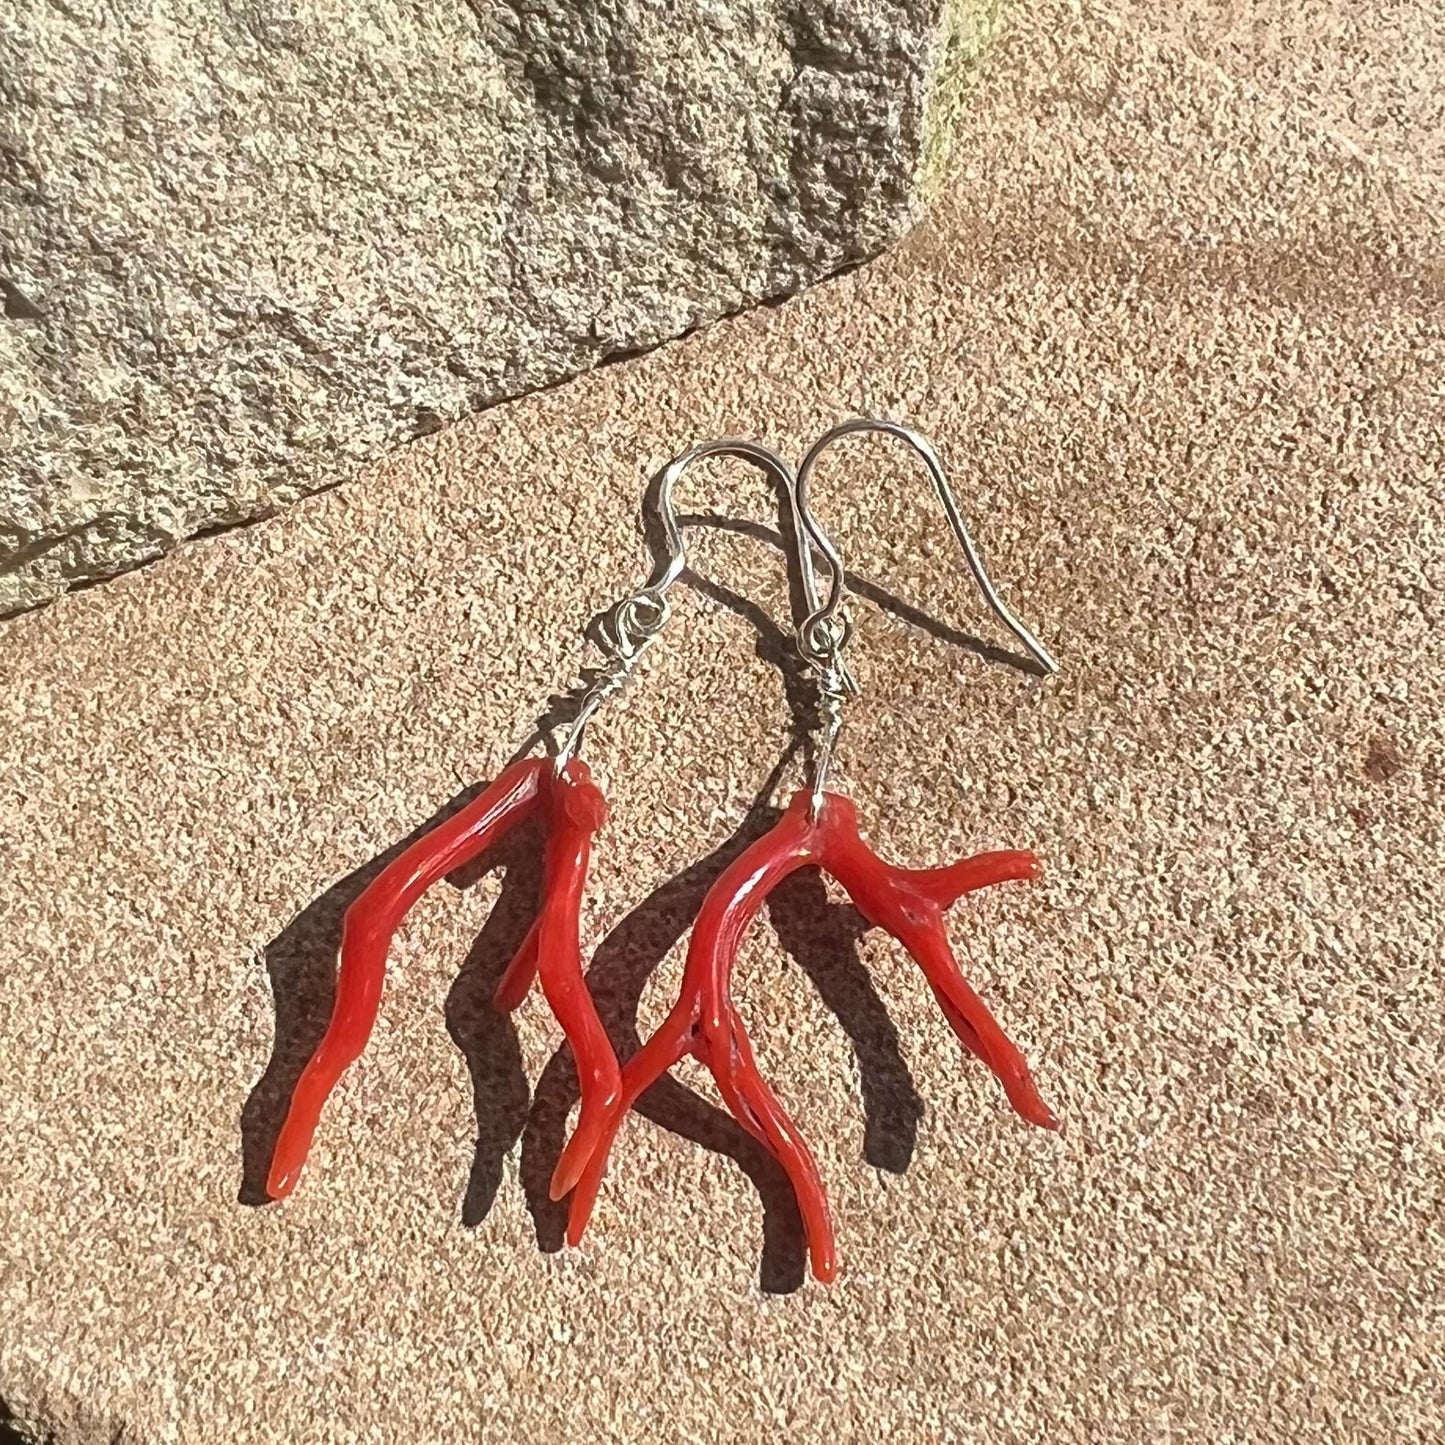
[825, 632]
[632, 625]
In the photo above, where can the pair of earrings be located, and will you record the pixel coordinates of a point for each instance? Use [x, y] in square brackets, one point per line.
[819, 829]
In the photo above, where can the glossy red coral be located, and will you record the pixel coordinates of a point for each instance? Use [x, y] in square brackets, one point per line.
[572, 809]
[907, 902]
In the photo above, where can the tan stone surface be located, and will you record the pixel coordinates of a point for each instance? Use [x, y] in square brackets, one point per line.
[1181, 339]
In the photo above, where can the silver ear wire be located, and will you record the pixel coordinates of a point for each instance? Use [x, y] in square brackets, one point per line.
[824, 633]
[634, 624]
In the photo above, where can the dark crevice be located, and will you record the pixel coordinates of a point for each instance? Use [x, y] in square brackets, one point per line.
[30, 551]
[14, 1432]
[16, 304]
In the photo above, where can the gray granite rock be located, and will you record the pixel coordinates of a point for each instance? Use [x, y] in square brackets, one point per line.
[245, 244]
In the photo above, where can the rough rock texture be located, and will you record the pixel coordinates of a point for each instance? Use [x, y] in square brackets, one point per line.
[246, 244]
[1180, 335]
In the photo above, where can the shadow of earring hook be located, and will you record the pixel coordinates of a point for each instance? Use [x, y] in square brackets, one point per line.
[823, 619]
[628, 628]
[666, 526]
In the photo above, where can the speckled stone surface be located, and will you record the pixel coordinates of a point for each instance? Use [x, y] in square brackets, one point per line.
[245, 246]
[1178, 329]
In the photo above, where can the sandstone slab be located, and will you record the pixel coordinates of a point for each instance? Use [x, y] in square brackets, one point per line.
[1179, 337]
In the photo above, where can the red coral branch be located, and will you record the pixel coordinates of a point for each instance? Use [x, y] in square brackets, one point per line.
[577, 811]
[907, 902]
[573, 810]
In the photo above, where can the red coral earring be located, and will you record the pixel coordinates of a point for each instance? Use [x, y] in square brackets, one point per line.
[820, 829]
[560, 793]
[572, 809]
